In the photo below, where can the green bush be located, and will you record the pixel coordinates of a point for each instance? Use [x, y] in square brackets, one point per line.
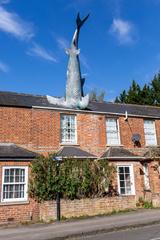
[143, 203]
[74, 178]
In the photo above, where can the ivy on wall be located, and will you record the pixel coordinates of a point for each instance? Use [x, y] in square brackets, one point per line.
[73, 178]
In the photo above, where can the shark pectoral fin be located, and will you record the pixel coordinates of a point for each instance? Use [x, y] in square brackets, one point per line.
[73, 51]
[67, 50]
[55, 101]
[84, 102]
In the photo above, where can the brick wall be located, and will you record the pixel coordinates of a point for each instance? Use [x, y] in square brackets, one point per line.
[19, 212]
[86, 207]
[39, 129]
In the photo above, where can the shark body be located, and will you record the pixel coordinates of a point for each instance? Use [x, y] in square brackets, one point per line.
[74, 86]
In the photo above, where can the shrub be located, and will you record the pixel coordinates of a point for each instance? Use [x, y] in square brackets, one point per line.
[74, 178]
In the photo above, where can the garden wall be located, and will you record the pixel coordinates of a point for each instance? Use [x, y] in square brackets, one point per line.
[86, 207]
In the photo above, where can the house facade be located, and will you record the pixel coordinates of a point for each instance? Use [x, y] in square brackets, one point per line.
[126, 135]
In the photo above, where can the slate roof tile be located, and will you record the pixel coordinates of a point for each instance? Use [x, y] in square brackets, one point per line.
[71, 151]
[28, 100]
[10, 150]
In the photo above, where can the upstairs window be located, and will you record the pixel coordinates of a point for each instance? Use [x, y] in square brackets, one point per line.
[112, 131]
[14, 184]
[150, 132]
[68, 129]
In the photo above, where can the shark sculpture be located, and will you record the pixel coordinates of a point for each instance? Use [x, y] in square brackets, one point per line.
[74, 87]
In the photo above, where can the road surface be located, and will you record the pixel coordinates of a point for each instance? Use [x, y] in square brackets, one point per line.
[144, 233]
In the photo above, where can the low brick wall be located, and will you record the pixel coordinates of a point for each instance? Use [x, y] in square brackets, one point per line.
[86, 207]
[156, 199]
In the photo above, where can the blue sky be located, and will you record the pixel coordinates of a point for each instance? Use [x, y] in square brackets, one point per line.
[119, 42]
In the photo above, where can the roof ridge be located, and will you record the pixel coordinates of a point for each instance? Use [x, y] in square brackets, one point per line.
[125, 104]
[22, 94]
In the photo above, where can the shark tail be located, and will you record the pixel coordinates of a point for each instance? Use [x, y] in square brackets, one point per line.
[81, 22]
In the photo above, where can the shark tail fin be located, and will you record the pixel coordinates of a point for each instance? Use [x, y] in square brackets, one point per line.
[81, 22]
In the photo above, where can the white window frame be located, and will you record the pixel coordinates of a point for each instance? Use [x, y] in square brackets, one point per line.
[25, 198]
[146, 177]
[155, 135]
[71, 141]
[118, 133]
[131, 179]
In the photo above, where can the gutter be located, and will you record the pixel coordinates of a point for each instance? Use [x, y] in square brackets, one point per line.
[95, 112]
[123, 158]
[15, 159]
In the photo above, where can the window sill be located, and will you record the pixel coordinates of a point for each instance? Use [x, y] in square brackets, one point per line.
[156, 145]
[69, 144]
[147, 190]
[126, 195]
[118, 145]
[14, 203]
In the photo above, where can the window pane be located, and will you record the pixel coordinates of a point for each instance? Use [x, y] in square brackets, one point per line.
[122, 184]
[122, 191]
[121, 169]
[128, 191]
[121, 177]
[126, 169]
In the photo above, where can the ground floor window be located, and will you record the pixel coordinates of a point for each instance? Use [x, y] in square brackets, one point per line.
[14, 184]
[125, 180]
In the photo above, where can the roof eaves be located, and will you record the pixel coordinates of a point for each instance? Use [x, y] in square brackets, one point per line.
[96, 112]
[124, 158]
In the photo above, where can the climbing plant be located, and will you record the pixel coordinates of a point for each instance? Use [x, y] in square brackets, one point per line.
[74, 179]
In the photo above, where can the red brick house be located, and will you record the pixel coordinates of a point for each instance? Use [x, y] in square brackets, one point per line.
[30, 125]
[126, 135]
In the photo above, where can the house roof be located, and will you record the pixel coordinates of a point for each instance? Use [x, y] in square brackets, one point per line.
[28, 100]
[10, 150]
[152, 152]
[74, 152]
[119, 153]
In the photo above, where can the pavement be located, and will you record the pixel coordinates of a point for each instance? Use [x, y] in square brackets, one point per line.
[78, 228]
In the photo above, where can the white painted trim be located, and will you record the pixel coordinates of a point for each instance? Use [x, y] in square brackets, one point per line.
[25, 185]
[119, 138]
[131, 177]
[155, 133]
[94, 112]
